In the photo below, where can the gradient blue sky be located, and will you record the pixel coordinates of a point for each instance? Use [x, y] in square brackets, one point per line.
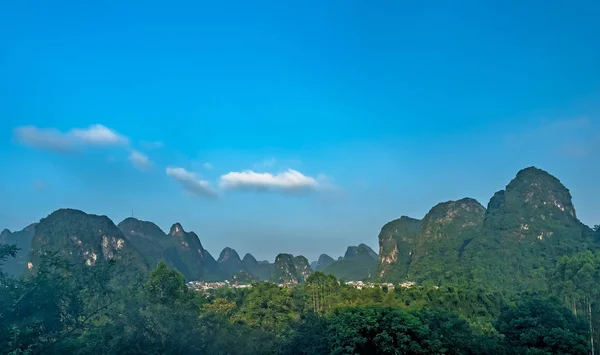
[381, 109]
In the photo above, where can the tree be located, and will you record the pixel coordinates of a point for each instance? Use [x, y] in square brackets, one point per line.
[542, 326]
[379, 330]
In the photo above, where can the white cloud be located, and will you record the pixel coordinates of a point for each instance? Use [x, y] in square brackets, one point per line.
[208, 166]
[290, 180]
[53, 139]
[43, 138]
[98, 135]
[191, 182]
[139, 160]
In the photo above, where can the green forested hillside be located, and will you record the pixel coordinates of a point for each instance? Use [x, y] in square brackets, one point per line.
[510, 245]
[22, 239]
[526, 229]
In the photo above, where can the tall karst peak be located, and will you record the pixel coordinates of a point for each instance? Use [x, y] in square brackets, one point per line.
[229, 262]
[249, 258]
[396, 243]
[5, 233]
[323, 262]
[302, 267]
[355, 251]
[254, 268]
[177, 230]
[284, 270]
[228, 253]
[537, 189]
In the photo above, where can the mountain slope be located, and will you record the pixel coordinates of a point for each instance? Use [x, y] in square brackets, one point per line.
[284, 270]
[323, 262]
[201, 265]
[397, 240]
[152, 243]
[85, 239]
[510, 245]
[229, 262]
[527, 227]
[359, 263]
[445, 232]
[22, 239]
[302, 267]
[251, 266]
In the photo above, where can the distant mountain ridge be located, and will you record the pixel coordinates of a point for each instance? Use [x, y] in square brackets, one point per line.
[510, 244]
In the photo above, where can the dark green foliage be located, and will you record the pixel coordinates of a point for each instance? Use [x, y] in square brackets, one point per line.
[22, 239]
[359, 263]
[445, 233]
[379, 330]
[542, 326]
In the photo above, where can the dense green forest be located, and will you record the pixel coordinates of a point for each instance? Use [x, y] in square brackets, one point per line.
[63, 308]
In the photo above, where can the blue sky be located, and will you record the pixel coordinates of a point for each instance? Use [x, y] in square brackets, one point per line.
[302, 128]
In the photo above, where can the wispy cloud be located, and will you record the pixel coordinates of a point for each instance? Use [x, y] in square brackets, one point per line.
[43, 138]
[290, 180]
[152, 145]
[39, 185]
[207, 166]
[55, 140]
[267, 163]
[140, 161]
[190, 182]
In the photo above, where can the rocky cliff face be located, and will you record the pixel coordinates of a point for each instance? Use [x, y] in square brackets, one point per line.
[284, 270]
[397, 241]
[84, 239]
[303, 268]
